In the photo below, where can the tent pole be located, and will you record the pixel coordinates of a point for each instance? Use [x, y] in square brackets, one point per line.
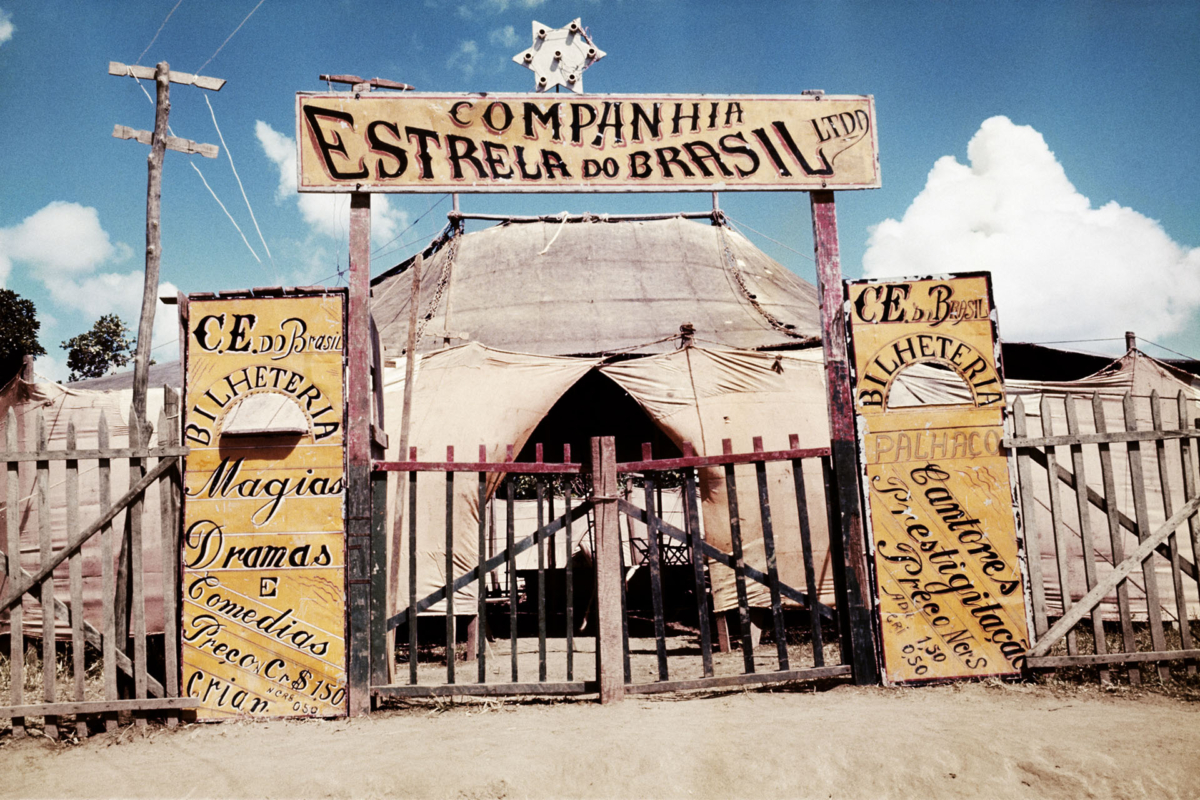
[842, 442]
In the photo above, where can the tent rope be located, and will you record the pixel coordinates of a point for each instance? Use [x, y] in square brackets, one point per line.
[739, 278]
[443, 281]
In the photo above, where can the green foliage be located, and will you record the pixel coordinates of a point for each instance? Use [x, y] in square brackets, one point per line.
[106, 346]
[18, 333]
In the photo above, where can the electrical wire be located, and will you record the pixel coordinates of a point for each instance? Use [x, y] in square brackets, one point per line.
[226, 210]
[230, 36]
[157, 32]
[439, 201]
[768, 238]
[1169, 350]
[229, 155]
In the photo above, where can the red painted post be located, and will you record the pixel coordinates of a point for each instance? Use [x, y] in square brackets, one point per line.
[842, 443]
[358, 456]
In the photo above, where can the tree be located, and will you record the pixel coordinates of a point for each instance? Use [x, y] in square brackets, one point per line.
[105, 346]
[18, 333]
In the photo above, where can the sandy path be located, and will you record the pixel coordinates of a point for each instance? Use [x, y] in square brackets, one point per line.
[970, 741]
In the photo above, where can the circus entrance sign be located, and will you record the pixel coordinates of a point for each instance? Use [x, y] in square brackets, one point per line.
[528, 143]
[264, 549]
[929, 404]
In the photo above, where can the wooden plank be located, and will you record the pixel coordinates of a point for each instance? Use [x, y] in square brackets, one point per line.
[108, 591]
[75, 567]
[757, 679]
[1118, 574]
[107, 517]
[652, 553]
[764, 508]
[1051, 662]
[810, 578]
[481, 594]
[46, 549]
[138, 578]
[505, 467]
[1114, 437]
[381, 653]
[1142, 515]
[412, 577]
[834, 557]
[358, 456]
[1033, 549]
[1181, 609]
[172, 142]
[12, 526]
[509, 534]
[94, 453]
[100, 706]
[570, 582]
[487, 690]
[1083, 508]
[541, 575]
[739, 563]
[1189, 491]
[169, 525]
[609, 647]
[851, 549]
[694, 542]
[692, 461]
[626, 663]
[449, 570]
[175, 76]
[1115, 537]
[1062, 554]
[1129, 525]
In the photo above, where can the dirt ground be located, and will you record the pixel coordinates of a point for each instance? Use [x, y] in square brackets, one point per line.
[970, 740]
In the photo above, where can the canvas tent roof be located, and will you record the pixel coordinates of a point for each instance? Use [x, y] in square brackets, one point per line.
[584, 288]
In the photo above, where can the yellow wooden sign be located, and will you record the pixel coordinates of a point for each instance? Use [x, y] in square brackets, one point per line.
[545, 143]
[940, 505]
[264, 555]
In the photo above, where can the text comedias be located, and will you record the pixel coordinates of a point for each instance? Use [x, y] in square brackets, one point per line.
[264, 486]
[537, 143]
[929, 400]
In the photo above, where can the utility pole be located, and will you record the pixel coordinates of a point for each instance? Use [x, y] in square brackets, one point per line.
[159, 143]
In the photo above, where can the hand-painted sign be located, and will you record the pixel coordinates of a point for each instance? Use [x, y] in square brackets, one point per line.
[941, 510]
[537, 143]
[264, 532]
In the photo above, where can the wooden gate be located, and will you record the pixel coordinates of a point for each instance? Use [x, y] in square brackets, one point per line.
[702, 554]
[1112, 613]
[124, 586]
[579, 515]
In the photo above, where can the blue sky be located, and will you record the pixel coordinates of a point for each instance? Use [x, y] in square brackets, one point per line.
[1084, 200]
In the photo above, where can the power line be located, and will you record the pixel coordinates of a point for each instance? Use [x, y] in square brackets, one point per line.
[229, 155]
[156, 33]
[1169, 350]
[230, 36]
[769, 239]
[437, 203]
[226, 210]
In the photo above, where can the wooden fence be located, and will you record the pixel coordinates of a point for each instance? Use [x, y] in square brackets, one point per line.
[1099, 600]
[121, 637]
[598, 511]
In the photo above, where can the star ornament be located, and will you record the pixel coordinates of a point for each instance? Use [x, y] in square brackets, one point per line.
[559, 56]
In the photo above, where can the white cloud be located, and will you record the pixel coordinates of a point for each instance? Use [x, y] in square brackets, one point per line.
[504, 37]
[326, 214]
[60, 239]
[1060, 268]
[464, 58]
[6, 26]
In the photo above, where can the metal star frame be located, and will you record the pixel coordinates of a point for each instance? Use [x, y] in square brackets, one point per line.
[559, 56]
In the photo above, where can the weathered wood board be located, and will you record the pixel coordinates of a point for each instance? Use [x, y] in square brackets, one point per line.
[941, 511]
[415, 142]
[264, 551]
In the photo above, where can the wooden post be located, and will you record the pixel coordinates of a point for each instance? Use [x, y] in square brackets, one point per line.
[610, 660]
[358, 457]
[842, 442]
[158, 148]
